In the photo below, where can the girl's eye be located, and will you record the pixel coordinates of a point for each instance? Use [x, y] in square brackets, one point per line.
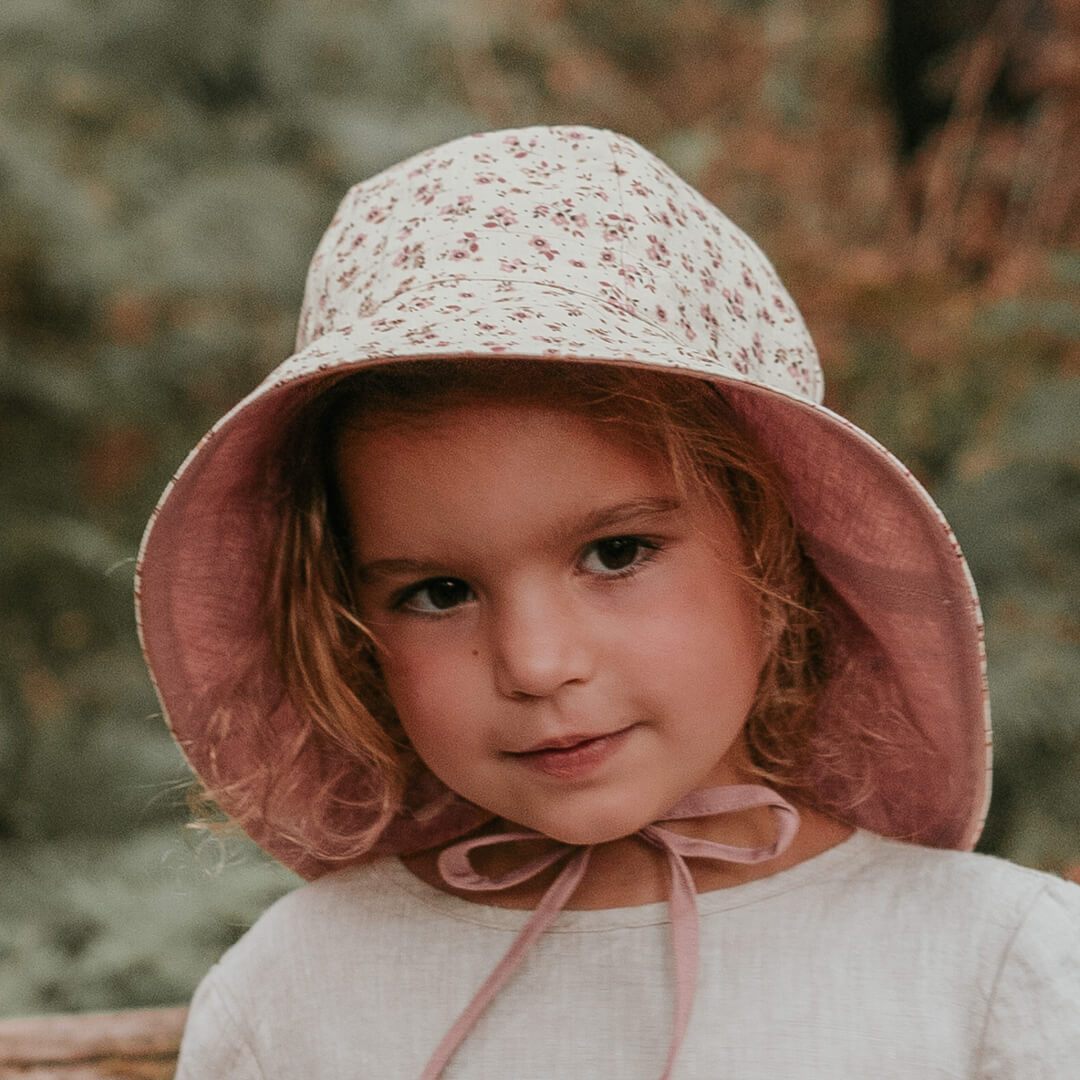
[435, 595]
[616, 553]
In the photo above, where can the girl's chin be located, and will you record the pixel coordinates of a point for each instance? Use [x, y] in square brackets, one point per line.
[584, 833]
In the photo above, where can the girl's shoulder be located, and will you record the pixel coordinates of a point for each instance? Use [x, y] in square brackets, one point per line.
[949, 870]
[975, 889]
[996, 945]
[353, 902]
[887, 901]
[275, 994]
[1016, 932]
[1012, 932]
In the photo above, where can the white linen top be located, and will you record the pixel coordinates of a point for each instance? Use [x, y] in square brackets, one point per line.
[873, 959]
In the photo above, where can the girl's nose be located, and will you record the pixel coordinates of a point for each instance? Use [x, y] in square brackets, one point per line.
[538, 646]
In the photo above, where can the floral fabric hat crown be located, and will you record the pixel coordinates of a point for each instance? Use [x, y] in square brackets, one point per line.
[568, 244]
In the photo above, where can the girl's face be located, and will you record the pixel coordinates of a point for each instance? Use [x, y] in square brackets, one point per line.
[567, 643]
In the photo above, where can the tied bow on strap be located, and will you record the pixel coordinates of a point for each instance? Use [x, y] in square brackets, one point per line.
[456, 870]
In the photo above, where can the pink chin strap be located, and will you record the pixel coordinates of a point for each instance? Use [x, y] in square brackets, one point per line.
[456, 870]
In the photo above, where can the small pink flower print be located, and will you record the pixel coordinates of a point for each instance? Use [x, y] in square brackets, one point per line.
[708, 282]
[419, 335]
[758, 349]
[410, 255]
[426, 193]
[607, 256]
[749, 281]
[469, 242]
[661, 314]
[742, 361]
[676, 213]
[578, 263]
[376, 214]
[734, 302]
[462, 206]
[501, 216]
[543, 247]
[541, 210]
[657, 251]
[508, 266]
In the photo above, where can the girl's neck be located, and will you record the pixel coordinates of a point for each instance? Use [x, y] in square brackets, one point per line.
[630, 872]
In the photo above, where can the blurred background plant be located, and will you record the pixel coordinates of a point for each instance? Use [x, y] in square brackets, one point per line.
[166, 168]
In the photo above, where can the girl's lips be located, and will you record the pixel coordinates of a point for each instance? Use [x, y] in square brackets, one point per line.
[576, 760]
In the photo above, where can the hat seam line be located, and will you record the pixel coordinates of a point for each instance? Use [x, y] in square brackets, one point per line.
[661, 331]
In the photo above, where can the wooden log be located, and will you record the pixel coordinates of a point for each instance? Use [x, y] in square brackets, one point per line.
[137, 1045]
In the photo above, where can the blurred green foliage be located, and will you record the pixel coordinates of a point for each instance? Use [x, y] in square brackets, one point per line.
[166, 168]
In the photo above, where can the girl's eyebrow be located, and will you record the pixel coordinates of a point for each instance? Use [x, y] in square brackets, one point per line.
[599, 520]
[610, 517]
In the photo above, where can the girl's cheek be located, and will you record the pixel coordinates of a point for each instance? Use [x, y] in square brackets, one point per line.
[416, 671]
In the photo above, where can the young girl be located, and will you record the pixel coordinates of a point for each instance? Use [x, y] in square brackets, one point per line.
[620, 701]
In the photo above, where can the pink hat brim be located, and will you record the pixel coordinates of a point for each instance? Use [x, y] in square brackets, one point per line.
[871, 528]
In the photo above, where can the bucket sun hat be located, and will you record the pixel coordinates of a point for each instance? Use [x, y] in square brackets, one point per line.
[569, 244]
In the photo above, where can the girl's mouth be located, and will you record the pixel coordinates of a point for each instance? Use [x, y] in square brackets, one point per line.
[574, 757]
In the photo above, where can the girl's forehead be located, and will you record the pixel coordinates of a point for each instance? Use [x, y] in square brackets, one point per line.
[460, 417]
[495, 437]
[484, 479]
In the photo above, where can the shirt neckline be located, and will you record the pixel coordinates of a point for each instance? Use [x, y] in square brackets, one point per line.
[829, 863]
